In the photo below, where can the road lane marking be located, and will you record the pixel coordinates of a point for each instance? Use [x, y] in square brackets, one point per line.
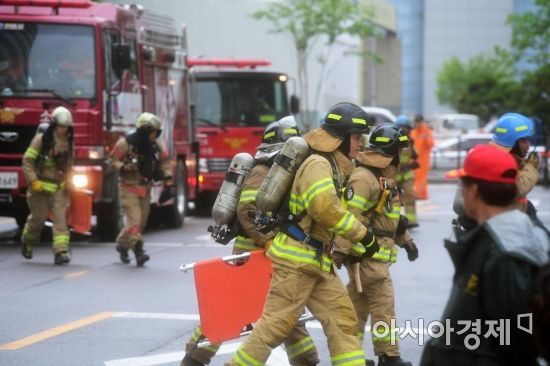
[175, 245]
[427, 207]
[165, 316]
[277, 357]
[75, 274]
[53, 332]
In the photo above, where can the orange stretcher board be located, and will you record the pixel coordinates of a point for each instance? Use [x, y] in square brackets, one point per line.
[231, 296]
[79, 214]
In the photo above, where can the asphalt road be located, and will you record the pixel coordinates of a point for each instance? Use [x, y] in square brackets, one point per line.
[97, 311]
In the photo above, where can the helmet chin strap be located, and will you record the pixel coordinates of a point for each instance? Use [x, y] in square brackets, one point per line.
[345, 145]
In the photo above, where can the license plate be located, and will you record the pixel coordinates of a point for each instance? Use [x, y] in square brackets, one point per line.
[8, 180]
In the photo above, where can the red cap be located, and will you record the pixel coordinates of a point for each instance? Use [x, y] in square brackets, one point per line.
[488, 163]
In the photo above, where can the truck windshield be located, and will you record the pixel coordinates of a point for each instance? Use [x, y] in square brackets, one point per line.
[58, 59]
[240, 102]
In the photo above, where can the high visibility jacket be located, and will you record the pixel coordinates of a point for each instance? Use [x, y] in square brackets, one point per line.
[134, 181]
[250, 238]
[314, 195]
[51, 177]
[367, 188]
[423, 139]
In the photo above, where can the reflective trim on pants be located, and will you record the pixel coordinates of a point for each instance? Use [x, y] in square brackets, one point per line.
[299, 348]
[349, 359]
[244, 359]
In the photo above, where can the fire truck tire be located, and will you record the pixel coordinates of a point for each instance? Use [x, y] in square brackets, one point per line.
[204, 203]
[110, 219]
[177, 211]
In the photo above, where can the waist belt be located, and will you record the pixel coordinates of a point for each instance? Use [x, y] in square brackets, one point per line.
[383, 233]
[296, 233]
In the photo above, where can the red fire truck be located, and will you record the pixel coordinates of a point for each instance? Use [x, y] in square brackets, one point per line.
[232, 102]
[107, 64]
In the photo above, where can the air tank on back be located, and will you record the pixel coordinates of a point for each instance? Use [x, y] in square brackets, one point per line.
[225, 207]
[278, 180]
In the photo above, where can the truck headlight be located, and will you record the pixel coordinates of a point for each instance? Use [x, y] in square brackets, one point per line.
[80, 180]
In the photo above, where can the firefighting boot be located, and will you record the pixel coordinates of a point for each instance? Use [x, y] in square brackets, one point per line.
[141, 256]
[62, 258]
[385, 360]
[123, 254]
[189, 361]
[26, 250]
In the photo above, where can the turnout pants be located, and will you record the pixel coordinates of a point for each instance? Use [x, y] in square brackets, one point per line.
[299, 347]
[136, 211]
[408, 200]
[40, 204]
[290, 291]
[377, 300]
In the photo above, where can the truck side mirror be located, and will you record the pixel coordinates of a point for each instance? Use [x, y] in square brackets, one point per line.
[294, 104]
[120, 57]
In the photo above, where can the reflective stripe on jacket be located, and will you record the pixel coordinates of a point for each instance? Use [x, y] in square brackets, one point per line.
[313, 193]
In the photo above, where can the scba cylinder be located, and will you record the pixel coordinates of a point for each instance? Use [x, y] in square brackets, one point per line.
[225, 206]
[279, 179]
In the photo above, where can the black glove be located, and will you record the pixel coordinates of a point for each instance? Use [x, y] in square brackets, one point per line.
[412, 250]
[371, 244]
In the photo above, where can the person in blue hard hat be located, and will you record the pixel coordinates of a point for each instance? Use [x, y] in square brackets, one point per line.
[405, 177]
[512, 134]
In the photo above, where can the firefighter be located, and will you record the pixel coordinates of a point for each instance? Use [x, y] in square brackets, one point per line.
[405, 178]
[303, 270]
[376, 204]
[423, 143]
[299, 345]
[46, 164]
[512, 134]
[140, 160]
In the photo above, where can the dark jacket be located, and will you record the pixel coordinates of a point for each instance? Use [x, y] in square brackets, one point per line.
[494, 265]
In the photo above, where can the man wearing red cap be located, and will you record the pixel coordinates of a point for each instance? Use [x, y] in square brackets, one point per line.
[494, 263]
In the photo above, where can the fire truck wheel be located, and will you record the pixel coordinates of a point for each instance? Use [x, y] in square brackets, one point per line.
[110, 219]
[176, 212]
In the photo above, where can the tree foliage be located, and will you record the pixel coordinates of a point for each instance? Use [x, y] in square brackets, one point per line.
[531, 34]
[308, 21]
[492, 85]
[484, 85]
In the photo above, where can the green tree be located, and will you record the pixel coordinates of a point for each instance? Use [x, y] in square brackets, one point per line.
[309, 21]
[484, 85]
[531, 34]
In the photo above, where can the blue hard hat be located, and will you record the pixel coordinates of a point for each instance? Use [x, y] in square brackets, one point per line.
[403, 120]
[512, 127]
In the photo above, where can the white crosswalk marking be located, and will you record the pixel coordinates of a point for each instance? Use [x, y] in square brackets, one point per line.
[277, 358]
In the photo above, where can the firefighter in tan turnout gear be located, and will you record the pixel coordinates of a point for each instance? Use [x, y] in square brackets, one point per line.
[47, 164]
[405, 177]
[141, 160]
[303, 270]
[512, 133]
[299, 345]
[376, 204]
